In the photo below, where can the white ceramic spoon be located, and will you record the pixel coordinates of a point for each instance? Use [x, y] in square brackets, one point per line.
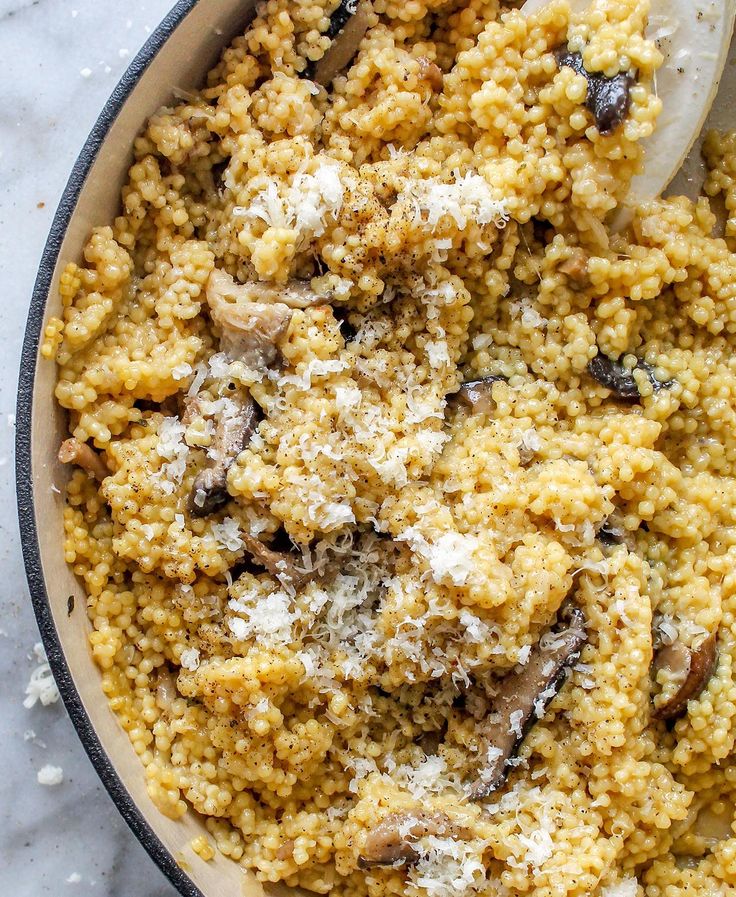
[694, 38]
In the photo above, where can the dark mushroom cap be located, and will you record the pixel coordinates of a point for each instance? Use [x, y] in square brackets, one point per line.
[477, 395]
[693, 668]
[233, 431]
[72, 451]
[348, 26]
[391, 842]
[523, 697]
[621, 381]
[610, 533]
[608, 98]
[280, 564]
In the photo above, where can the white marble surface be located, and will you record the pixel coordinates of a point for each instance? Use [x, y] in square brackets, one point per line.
[50, 834]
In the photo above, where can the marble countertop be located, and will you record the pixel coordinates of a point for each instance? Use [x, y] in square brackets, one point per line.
[64, 58]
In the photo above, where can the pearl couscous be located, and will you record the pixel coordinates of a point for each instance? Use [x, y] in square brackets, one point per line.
[404, 492]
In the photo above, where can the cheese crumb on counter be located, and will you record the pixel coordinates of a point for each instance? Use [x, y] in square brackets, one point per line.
[50, 775]
[41, 686]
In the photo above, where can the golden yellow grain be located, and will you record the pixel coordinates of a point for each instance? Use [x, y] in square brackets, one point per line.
[263, 710]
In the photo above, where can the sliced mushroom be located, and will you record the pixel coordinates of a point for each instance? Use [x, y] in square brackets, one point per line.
[611, 533]
[528, 447]
[576, 266]
[691, 670]
[608, 98]
[431, 73]
[280, 564]
[347, 330]
[249, 329]
[348, 26]
[294, 293]
[166, 690]
[72, 451]
[477, 395]
[430, 741]
[614, 376]
[286, 851]
[391, 842]
[522, 698]
[217, 171]
[338, 20]
[234, 427]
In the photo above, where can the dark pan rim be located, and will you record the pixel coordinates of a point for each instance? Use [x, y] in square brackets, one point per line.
[24, 477]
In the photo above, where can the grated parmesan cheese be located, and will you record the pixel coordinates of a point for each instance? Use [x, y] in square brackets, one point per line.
[305, 205]
[149, 533]
[362, 767]
[330, 515]
[50, 775]
[515, 723]
[180, 371]
[530, 317]
[219, 365]
[308, 662]
[310, 448]
[449, 868]
[593, 567]
[666, 630]
[476, 631]
[422, 404]
[627, 887]
[538, 846]
[41, 686]
[344, 613]
[316, 367]
[227, 534]
[391, 467]
[437, 353]
[450, 558]
[467, 198]
[482, 341]
[621, 611]
[170, 437]
[265, 618]
[347, 398]
[172, 447]
[190, 658]
[432, 441]
[531, 440]
[200, 375]
[430, 776]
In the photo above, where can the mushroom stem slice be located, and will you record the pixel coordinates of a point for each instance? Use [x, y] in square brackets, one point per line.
[233, 430]
[575, 266]
[477, 395]
[609, 533]
[431, 73]
[691, 668]
[608, 99]
[294, 293]
[345, 43]
[523, 697]
[391, 842]
[622, 383]
[72, 451]
[278, 563]
[249, 329]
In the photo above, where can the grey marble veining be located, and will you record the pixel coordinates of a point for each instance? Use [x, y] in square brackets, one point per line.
[67, 839]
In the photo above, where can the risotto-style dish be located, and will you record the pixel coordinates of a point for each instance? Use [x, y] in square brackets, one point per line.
[403, 482]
